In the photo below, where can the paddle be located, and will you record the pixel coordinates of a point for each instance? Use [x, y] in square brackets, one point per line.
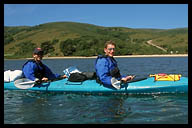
[25, 83]
[117, 84]
[135, 79]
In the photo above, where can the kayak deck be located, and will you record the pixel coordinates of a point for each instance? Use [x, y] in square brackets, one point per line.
[91, 86]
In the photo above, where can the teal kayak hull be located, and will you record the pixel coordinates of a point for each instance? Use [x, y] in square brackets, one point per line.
[91, 86]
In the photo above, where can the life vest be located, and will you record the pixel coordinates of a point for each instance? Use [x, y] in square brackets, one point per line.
[38, 73]
[115, 72]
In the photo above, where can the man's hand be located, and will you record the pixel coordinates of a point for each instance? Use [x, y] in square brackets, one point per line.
[64, 76]
[44, 79]
[127, 78]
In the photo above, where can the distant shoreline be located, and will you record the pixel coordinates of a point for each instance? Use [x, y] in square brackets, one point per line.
[123, 56]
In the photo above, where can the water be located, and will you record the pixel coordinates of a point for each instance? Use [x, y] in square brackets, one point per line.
[28, 107]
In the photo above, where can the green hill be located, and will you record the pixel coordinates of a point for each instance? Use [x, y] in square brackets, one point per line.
[80, 39]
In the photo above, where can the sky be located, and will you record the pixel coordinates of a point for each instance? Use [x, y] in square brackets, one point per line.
[156, 16]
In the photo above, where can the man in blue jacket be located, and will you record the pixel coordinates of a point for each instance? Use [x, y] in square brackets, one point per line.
[37, 71]
[107, 70]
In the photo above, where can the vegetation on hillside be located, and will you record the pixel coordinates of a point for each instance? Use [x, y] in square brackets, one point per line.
[78, 39]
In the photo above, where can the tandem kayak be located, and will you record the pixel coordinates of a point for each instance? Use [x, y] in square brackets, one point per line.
[148, 85]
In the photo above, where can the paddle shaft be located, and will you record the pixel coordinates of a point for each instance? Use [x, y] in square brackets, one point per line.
[28, 82]
[135, 79]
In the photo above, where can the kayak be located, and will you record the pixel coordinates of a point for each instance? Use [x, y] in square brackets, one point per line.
[148, 85]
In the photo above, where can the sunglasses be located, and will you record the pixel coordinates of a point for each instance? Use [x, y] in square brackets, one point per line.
[39, 54]
[111, 49]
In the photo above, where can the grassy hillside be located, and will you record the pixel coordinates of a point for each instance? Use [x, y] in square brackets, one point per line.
[80, 39]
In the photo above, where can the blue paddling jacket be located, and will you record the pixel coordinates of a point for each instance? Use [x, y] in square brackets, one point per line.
[106, 68]
[32, 70]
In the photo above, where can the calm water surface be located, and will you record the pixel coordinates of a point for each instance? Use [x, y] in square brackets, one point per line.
[28, 107]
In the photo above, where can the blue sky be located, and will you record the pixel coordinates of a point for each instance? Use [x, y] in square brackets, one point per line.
[159, 16]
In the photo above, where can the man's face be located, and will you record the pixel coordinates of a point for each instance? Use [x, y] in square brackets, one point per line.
[110, 50]
[37, 57]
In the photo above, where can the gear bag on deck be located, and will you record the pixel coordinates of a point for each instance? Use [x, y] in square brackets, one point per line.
[74, 75]
[77, 77]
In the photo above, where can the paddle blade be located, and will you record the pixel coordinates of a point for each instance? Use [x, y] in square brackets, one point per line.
[24, 83]
[115, 83]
